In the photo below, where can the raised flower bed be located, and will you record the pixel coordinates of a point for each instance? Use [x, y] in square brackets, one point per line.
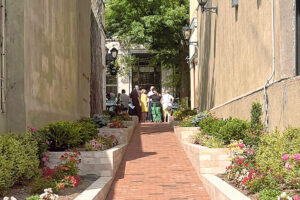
[101, 163]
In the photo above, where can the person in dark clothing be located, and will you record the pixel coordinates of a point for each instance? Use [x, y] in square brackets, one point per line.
[135, 98]
[155, 100]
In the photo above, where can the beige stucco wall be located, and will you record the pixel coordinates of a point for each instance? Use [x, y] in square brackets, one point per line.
[48, 62]
[235, 55]
[57, 60]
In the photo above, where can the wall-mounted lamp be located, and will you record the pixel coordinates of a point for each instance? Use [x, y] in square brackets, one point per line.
[186, 31]
[203, 3]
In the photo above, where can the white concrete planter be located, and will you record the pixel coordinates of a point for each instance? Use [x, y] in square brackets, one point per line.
[135, 119]
[205, 160]
[123, 135]
[101, 163]
[184, 134]
[218, 189]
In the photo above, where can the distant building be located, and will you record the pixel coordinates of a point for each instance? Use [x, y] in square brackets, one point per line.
[45, 63]
[235, 59]
[141, 73]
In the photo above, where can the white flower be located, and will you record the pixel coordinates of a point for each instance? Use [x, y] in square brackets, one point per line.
[6, 198]
[13, 198]
[289, 198]
[283, 195]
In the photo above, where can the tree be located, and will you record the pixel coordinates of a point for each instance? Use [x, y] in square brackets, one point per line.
[97, 65]
[158, 26]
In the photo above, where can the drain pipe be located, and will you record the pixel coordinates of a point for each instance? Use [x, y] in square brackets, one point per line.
[2, 77]
[273, 70]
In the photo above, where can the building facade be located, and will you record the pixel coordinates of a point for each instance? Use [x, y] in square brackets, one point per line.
[45, 62]
[242, 49]
[135, 72]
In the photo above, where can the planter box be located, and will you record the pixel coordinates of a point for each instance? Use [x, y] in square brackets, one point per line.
[184, 134]
[205, 160]
[123, 135]
[218, 189]
[135, 119]
[101, 163]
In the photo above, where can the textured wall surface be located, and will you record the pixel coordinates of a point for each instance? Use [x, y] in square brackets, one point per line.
[48, 62]
[235, 55]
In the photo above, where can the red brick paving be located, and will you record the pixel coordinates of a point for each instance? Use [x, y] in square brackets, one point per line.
[155, 167]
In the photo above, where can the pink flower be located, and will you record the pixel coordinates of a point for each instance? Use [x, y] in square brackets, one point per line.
[287, 166]
[296, 197]
[44, 159]
[296, 157]
[47, 142]
[46, 155]
[241, 145]
[285, 157]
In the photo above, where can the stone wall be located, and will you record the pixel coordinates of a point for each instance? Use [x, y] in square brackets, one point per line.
[48, 62]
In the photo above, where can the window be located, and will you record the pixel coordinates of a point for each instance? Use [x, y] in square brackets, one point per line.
[111, 84]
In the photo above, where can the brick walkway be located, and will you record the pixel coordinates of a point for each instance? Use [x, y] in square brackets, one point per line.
[155, 167]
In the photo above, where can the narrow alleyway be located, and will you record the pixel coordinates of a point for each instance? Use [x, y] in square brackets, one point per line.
[155, 167]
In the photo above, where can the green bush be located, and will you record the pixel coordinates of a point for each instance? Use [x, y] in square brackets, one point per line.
[86, 129]
[40, 183]
[234, 129]
[179, 115]
[211, 126]
[208, 141]
[18, 160]
[256, 113]
[269, 194]
[62, 136]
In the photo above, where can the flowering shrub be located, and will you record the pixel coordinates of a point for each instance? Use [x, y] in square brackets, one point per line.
[102, 143]
[271, 167]
[117, 125]
[48, 195]
[208, 141]
[183, 113]
[56, 178]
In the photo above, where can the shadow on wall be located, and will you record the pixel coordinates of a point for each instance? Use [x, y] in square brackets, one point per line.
[207, 84]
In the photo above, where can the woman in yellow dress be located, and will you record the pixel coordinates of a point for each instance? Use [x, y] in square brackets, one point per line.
[144, 105]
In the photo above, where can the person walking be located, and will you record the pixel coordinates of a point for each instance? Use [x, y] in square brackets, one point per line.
[167, 101]
[144, 102]
[155, 101]
[135, 98]
[150, 93]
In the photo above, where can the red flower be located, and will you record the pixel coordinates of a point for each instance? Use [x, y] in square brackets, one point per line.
[61, 186]
[67, 177]
[245, 180]
[229, 167]
[246, 164]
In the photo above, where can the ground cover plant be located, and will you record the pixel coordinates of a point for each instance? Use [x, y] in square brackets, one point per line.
[102, 143]
[193, 121]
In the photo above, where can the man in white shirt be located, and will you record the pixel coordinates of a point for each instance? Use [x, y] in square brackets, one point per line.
[150, 93]
[124, 99]
[167, 101]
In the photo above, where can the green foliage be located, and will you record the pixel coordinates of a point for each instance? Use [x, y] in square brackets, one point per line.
[40, 183]
[62, 136]
[193, 121]
[233, 129]
[156, 24]
[18, 159]
[100, 120]
[208, 141]
[211, 126]
[256, 113]
[34, 197]
[269, 194]
[271, 149]
[86, 129]
[183, 113]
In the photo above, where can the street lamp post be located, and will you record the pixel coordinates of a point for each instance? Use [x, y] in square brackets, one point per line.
[203, 3]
